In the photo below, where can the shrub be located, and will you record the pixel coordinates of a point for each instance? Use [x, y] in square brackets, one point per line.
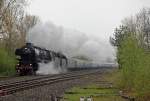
[7, 63]
[135, 66]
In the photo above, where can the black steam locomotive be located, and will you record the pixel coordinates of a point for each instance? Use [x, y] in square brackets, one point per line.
[30, 56]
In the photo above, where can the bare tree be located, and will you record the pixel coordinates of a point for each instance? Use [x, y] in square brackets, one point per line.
[143, 27]
[14, 23]
[138, 25]
[9, 13]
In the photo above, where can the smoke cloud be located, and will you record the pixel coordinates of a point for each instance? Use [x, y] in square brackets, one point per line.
[49, 69]
[70, 42]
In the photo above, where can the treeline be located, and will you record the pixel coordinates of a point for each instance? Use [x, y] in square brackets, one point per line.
[132, 40]
[14, 25]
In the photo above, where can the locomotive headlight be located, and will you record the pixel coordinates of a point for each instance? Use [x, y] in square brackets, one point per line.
[30, 64]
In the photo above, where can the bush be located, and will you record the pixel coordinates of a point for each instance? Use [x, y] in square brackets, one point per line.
[134, 62]
[7, 63]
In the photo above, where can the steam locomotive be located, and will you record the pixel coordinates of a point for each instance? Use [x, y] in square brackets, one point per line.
[29, 57]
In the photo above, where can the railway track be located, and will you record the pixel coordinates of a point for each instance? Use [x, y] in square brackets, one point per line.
[12, 87]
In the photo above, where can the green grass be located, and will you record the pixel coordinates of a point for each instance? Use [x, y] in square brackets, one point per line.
[97, 92]
[92, 90]
[109, 98]
[7, 63]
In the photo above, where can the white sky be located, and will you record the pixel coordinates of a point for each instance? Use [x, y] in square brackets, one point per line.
[94, 17]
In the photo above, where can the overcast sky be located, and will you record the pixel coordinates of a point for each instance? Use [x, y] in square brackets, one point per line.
[94, 17]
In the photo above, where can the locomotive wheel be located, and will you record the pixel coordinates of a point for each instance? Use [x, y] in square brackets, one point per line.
[21, 73]
[18, 73]
[31, 72]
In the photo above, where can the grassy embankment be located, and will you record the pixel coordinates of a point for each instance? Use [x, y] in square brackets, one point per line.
[98, 93]
[101, 90]
[7, 63]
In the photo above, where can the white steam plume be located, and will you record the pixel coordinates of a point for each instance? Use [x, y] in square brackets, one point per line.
[70, 42]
